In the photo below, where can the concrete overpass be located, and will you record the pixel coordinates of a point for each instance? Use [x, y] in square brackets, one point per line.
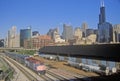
[109, 52]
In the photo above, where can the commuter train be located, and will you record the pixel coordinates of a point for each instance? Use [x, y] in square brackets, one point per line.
[36, 65]
[100, 69]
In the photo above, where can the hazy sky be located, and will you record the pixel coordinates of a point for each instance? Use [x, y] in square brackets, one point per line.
[42, 15]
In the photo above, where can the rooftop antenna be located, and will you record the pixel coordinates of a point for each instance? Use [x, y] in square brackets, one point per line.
[29, 27]
[102, 3]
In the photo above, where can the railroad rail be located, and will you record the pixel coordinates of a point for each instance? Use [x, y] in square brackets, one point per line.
[26, 73]
[51, 75]
[66, 76]
[45, 77]
[56, 76]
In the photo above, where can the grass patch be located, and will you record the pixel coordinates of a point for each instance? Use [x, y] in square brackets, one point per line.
[4, 66]
[28, 52]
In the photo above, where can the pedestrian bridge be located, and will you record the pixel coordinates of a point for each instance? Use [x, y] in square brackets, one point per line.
[109, 52]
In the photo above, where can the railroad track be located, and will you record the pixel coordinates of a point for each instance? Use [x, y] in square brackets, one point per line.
[49, 76]
[60, 78]
[45, 77]
[66, 76]
[27, 74]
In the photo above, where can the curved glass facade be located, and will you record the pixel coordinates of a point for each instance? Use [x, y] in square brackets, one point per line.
[24, 35]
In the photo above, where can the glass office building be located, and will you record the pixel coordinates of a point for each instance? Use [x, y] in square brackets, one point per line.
[24, 35]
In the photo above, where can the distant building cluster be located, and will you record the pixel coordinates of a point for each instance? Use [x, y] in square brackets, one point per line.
[106, 33]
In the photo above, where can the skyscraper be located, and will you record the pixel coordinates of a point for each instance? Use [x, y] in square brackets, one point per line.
[89, 31]
[24, 35]
[104, 28]
[51, 32]
[1, 42]
[102, 14]
[116, 33]
[13, 38]
[35, 33]
[67, 32]
[8, 39]
[84, 27]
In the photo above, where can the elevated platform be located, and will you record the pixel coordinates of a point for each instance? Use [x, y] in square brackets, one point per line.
[109, 52]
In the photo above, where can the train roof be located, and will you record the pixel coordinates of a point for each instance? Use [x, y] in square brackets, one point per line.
[31, 59]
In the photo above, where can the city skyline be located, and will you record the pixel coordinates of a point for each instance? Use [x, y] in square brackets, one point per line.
[43, 15]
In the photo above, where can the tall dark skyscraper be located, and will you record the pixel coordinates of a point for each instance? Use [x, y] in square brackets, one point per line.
[104, 28]
[24, 35]
[102, 18]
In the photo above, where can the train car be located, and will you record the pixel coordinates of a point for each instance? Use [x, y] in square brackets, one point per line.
[100, 69]
[36, 65]
[74, 64]
[49, 57]
[90, 67]
[18, 57]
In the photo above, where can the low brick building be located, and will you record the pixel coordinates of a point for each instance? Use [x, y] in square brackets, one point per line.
[38, 42]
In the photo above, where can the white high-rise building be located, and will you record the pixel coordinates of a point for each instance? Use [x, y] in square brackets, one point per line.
[13, 38]
[78, 33]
